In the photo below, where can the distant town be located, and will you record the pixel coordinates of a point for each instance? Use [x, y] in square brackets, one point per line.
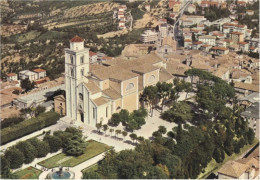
[154, 89]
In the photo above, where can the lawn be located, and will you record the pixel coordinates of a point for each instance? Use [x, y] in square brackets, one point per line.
[213, 166]
[93, 149]
[28, 173]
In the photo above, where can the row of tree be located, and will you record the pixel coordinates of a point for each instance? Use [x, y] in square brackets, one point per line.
[71, 141]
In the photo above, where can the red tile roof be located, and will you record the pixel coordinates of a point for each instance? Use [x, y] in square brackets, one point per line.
[11, 74]
[198, 42]
[38, 70]
[187, 40]
[242, 42]
[219, 48]
[91, 53]
[237, 33]
[76, 39]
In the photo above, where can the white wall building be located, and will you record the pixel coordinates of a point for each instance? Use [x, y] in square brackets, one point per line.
[149, 37]
[210, 40]
[11, 77]
[32, 76]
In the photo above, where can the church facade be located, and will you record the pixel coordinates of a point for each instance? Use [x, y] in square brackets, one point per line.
[95, 91]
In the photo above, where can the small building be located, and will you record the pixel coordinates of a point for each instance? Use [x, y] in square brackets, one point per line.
[244, 46]
[92, 57]
[252, 115]
[147, 7]
[209, 40]
[246, 168]
[191, 8]
[206, 47]
[220, 50]
[237, 37]
[11, 77]
[196, 45]
[176, 7]
[187, 44]
[60, 105]
[41, 73]
[32, 76]
[250, 12]
[149, 37]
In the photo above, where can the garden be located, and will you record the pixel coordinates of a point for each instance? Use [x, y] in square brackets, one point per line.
[28, 173]
[93, 149]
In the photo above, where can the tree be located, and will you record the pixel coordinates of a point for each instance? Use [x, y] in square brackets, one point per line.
[91, 175]
[140, 139]
[26, 84]
[164, 91]
[162, 129]
[178, 113]
[98, 126]
[54, 142]
[14, 157]
[111, 131]
[124, 133]
[42, 147]
[115, 119]
[133, 137]
[105, 128]
[39, 110]
[124, 116]
[251, 136]
[75, 146]
[118, 131]
[28, 151]
[149, 95]
[25, 111]
[5, 169]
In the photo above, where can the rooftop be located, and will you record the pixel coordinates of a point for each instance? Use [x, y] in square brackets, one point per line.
[76, 39]
[252, 111]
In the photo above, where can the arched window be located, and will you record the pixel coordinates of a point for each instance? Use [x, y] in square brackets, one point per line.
[71, 59]
[82, 59]
[152, 78]
[81, 96]
[72, 72]
[130, 86]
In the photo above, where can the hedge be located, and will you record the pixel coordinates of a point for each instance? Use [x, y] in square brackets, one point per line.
[28, 126]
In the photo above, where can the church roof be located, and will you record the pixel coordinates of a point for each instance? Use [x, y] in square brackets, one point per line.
[100, 101]
[92, 87]
[113, 94]
[76, 39]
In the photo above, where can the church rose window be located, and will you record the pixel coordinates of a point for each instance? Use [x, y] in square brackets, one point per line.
[130, 86]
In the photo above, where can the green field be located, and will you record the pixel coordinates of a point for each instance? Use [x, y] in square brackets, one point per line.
[93, 149]
[213, 166]
[28, 173]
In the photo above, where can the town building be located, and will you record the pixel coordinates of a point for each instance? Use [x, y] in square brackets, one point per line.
[40, 73]
[244, 46]
[149, 37]
[176, 7]
[93, 96]
[220, 50]
[92, 57]
[147, 7]
[188, 20]
[209, 40]
[60, 105]
[245, 168]
[11, 77]
[32, 76]
[237, 37]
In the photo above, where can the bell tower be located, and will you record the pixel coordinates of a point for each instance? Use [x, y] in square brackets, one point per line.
[76, 72]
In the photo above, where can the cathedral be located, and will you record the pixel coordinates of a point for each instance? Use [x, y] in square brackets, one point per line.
[95, 91]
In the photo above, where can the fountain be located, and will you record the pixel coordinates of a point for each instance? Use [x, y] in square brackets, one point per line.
[61, 174]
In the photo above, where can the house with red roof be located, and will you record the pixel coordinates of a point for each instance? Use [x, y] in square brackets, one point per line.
[243, 46]
[41, 73]
[92, 57]
[219, 50]
[11, 77]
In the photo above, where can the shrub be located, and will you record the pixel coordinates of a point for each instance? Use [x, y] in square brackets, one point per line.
[54, 142]
[14, 157]
[28, 151]
[41, 147]
[28, 126]
[10, 121]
